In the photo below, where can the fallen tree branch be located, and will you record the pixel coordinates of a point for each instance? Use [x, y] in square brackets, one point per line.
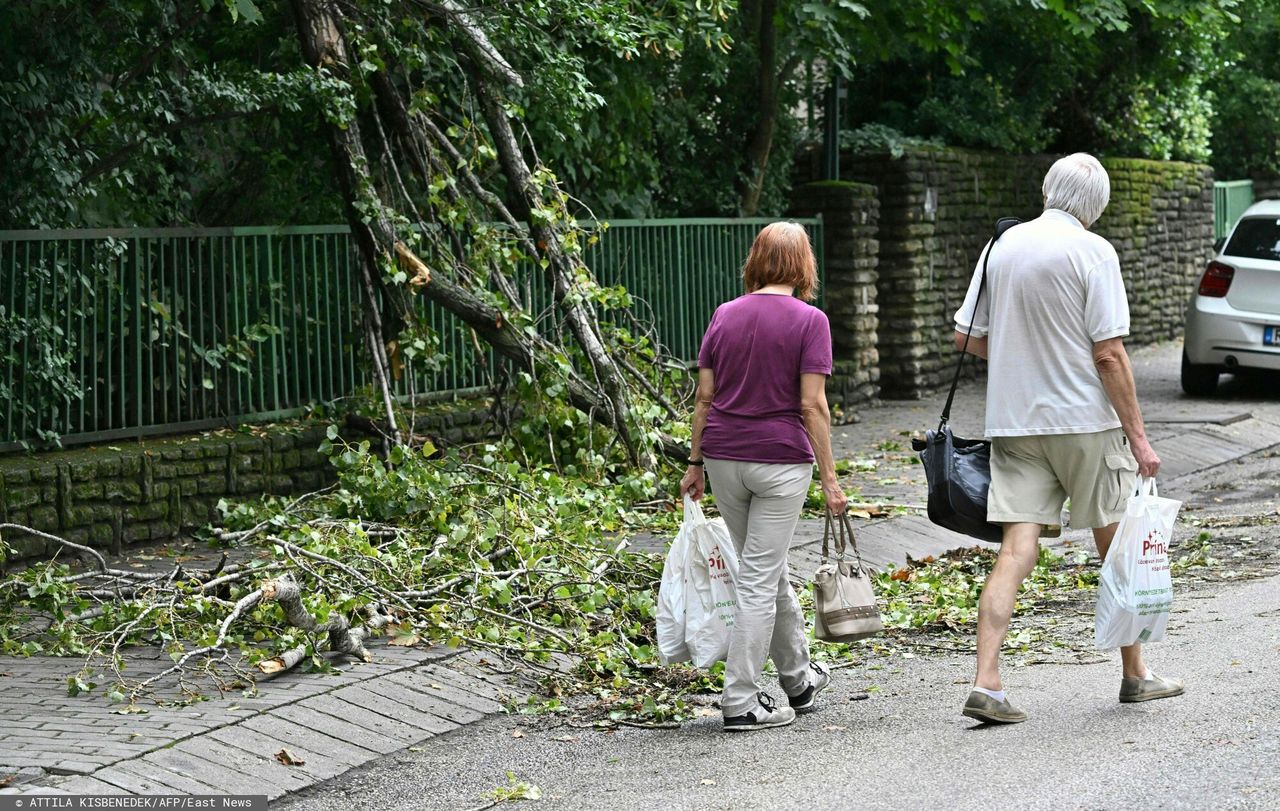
[80, 548]
[343, 637]
[242, 605]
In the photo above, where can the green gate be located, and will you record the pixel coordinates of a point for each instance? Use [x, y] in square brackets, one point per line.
[1230, 199]
[114, 333]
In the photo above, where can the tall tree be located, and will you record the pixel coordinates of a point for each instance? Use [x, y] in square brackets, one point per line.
[424, 125]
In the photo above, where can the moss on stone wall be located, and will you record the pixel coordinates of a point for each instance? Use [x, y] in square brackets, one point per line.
[937, 209]
[850, 218]
[111, 495]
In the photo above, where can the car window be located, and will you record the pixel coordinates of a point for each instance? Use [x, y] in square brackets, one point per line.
[1256, 238]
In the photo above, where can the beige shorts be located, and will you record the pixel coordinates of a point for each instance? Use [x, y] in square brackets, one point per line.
[1032, 476]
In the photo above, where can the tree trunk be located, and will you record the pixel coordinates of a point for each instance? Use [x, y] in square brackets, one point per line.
[563, 270]
[760, 143]
[323, 47]
[602, 393]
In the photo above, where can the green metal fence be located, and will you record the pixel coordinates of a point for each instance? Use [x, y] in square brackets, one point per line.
[110, 334]
[1230, 199]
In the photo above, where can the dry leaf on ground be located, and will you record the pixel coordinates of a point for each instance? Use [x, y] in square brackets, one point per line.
[288, 758]
[402, 636]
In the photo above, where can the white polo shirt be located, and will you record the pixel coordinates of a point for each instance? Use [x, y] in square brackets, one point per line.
[1053, 290]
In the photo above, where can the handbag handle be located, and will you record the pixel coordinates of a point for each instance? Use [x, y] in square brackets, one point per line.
[1003, 224]
[844, 538]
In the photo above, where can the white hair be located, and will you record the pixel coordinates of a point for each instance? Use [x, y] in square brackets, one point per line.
[1078, 185]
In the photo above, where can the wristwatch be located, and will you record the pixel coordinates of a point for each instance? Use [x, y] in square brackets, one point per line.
[696, 462]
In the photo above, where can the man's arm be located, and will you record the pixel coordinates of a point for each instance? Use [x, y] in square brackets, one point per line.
[977, 346]
[1113, 366]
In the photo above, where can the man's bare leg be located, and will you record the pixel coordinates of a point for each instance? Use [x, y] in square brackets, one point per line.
[1130, 655]
[1018, 553]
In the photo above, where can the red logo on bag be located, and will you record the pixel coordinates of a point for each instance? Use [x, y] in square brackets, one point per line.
[1154, 543]
[714, 561]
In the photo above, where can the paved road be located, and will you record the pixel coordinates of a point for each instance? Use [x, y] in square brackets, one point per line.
[907, 746]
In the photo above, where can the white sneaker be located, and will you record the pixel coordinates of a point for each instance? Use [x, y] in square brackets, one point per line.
[768, 715]
[819, 680]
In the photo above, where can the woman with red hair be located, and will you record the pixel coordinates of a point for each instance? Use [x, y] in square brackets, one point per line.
[760, 421]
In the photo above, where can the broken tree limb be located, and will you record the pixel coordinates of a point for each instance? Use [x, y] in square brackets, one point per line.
[79, 548]
[475, 41]
[242, 605]
[342, 636]
[563, 269]
[421, 274]
[325, 50]
[292, 657]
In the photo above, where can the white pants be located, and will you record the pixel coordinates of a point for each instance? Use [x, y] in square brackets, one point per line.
[761, 504]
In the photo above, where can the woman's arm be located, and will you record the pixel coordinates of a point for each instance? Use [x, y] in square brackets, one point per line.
[817, 422]
[694, 481]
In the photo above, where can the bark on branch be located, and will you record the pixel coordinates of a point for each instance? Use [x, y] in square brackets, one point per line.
[342, 636]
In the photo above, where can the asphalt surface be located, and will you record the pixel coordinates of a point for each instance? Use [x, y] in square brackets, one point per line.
[907, 746]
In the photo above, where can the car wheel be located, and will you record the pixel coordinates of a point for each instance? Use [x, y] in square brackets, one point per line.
[1198, 380]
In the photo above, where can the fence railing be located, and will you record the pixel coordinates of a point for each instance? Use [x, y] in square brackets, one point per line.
[1230, 199]
[118, 333]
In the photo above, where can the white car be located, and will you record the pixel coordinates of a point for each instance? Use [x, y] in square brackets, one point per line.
[1233, 319]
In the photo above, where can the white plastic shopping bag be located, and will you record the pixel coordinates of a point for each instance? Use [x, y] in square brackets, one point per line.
[697, 595]
[1135, 591]
[711, 613]
[672, 596]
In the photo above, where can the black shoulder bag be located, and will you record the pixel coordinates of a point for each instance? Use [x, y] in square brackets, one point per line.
[959, 470]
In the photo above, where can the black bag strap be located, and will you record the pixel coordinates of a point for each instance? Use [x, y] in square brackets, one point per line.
[1003, 224]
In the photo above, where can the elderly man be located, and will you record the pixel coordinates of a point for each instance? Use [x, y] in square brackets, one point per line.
[1062, 409]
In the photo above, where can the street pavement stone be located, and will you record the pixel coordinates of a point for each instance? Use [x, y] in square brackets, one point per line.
[315, 765]
[395, 704]
[382, 741]
[139, 777]
[289, 735]
[434, 701]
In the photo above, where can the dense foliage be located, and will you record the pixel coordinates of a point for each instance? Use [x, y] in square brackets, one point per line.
[1119, 78]
[1246, 88]
[166, 112]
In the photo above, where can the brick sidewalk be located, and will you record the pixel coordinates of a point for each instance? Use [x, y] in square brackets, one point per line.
[332, 722]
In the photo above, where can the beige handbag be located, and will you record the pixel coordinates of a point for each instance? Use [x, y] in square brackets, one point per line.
[844, 603]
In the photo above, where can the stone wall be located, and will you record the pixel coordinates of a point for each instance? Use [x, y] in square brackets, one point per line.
[937, 208]
[112, 495]
[850, 218]
[1160, 221]
[152, 490]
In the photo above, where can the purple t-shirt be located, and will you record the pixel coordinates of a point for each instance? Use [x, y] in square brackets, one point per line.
[757, 346]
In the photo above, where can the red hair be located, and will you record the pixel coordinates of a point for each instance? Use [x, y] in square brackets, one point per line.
[781, 254]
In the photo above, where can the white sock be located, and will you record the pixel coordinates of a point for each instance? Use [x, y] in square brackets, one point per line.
[998, 695]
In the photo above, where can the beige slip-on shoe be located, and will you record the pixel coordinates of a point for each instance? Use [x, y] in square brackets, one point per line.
[986, 709]
[1149, 689]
